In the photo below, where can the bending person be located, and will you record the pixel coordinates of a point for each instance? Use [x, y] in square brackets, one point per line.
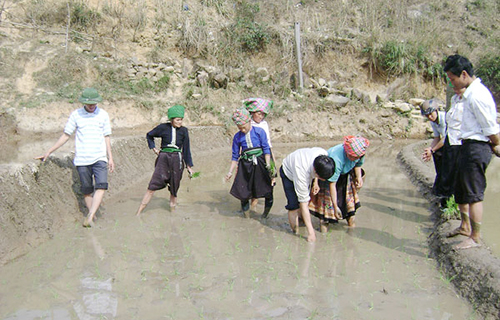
[338, 196]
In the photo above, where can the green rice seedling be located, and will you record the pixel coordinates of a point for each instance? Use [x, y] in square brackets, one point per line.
[451, 210]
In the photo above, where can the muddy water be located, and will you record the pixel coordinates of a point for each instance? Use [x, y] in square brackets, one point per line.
[204, 260]
[491, 214]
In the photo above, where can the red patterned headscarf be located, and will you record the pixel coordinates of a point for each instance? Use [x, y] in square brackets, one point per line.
[241, 116]
[258, 104]
[355, 147]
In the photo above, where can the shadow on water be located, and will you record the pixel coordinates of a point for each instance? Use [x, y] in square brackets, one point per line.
[394, 196]
[396, 212]
[407, 246]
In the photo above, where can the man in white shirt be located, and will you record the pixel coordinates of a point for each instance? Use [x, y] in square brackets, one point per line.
[480, 136]
[297, 173]
[93, 154]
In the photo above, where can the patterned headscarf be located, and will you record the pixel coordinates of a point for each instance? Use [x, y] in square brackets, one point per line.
[241, 116]
[258, 104]
[355, 147]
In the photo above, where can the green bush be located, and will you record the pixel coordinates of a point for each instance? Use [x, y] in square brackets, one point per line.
[489, 72]
[246, 34]
[402, 57]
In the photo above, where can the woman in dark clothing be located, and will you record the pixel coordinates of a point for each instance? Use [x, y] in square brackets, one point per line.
[175, 153]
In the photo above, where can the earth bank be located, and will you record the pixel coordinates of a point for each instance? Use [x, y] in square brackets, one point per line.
[474, 272]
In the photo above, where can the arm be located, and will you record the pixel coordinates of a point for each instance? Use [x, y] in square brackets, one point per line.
[315, 186]
[333, 198]
[358, 180]
[495, 144]
[231, 169]
[186, 153]
[62, 140]
[111, 163]
[436, 144]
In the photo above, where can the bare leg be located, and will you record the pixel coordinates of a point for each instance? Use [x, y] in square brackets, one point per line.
[323, 226]
[306, 216]
[293, 219]
[253, 204]
[145, 200]
[351, 221]
[465, 225]
[96, 202]
[88, 200]
[476, 216]
[173, 202]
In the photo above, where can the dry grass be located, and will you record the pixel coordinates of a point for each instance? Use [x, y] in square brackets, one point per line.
[341, 40]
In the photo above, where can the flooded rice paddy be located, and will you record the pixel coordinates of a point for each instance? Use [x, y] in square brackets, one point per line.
[206, 261]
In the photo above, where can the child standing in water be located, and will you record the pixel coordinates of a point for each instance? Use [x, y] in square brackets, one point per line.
[175, 152]
[252, 155]
[259, 108]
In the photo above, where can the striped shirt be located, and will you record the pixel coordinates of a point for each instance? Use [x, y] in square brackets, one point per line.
[91, 128]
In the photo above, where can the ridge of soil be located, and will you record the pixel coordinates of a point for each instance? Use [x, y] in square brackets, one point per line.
[475, 273]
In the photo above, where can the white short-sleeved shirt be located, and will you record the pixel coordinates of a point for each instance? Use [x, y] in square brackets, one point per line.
[298, 167]
[480, 114]
[454, 120]
[91, 128]
[264, 125]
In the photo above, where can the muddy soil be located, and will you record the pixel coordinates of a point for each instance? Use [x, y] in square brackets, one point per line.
[205, 260]
[474, 272]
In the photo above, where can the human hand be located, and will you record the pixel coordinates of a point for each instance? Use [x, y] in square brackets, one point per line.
[496, 150]
[42, 158]
[228, 176]
[273, 182]
[315, 188]
[156, 151]
[358, 182]
[427, 154]
[111, 165]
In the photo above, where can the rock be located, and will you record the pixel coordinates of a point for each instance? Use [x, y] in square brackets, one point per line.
[402, 107]
[336, 101]
[416, 102]
[323, 92]
[219, 81]
[202, 79]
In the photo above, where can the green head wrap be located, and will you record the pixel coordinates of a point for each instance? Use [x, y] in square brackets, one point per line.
[176, 111]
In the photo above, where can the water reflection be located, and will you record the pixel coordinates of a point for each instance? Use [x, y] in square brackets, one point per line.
[205, 260]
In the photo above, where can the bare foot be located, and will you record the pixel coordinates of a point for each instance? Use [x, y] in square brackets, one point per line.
[311, 237]
[467, 244]
[351, 221]
[458, 231]
[88, 223]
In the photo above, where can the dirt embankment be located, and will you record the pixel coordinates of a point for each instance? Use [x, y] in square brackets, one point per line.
[476, 272]
[37, 200]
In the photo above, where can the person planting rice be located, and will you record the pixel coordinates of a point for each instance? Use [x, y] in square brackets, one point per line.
[252, 157]
[259, 108]
[337, 197]
[297, 172]
[174, 154]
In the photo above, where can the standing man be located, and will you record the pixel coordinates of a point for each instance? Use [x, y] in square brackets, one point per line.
[480, 136]
[93, 149]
